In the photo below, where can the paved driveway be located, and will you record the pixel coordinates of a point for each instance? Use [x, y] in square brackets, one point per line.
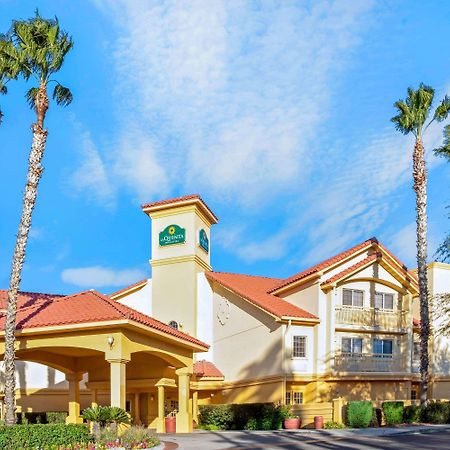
[242, 440]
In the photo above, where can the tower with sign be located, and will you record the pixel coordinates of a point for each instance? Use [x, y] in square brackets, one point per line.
[180, 243]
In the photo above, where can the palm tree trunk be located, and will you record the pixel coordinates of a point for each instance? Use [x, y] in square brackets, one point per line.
[420, 188]
[29, 200]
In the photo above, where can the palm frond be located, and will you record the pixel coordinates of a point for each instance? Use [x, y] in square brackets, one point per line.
[444, 150]
[31, 96]
[62, 95]
[442, 110]
[414, 110]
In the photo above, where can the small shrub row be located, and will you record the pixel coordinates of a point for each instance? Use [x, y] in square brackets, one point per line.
[40, 436]
[247, 416]
[25, 418]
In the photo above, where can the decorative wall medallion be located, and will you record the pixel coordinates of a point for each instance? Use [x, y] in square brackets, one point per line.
[203, 240]
[172, 234]
[223, 314]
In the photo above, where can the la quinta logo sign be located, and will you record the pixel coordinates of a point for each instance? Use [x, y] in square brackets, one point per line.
[172, 234]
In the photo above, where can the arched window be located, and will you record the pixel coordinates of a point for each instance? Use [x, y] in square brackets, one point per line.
[173, 324]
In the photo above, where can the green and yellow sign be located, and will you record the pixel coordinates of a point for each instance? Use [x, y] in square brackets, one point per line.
[172, 234]
[203, 240]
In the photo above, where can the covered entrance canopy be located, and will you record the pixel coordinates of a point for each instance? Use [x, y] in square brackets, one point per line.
[122, 351]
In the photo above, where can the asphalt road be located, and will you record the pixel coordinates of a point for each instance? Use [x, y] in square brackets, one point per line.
[435, 440]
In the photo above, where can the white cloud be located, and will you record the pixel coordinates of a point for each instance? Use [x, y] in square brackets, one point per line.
[98, 276]
[231, 93]
[91, 177]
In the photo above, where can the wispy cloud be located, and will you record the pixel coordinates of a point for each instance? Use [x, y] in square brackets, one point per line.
[98, 276]
[91, 177]
[232, 93]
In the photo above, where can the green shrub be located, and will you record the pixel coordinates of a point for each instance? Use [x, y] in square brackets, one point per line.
[359, 414]
[436, 412]
[31, 437]
[56, 416]
[393, 412]
[248, 416]
[412, 414]
[333, 425]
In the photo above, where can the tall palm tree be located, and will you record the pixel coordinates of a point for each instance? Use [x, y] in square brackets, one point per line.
[34, 48]
[414, 117]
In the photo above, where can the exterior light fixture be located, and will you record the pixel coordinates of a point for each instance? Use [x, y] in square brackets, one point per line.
[110, 342]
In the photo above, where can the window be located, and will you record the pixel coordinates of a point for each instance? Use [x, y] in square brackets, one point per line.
[299, 347]
[416, 351]
[413, 394]
[294, 398]
[384, 300]
[382, 347]
[297, 397]
[352, 345]
[353, 297]
[288, 397]
[173, 324]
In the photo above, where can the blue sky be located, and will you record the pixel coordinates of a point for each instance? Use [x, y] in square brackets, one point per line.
[276, 112]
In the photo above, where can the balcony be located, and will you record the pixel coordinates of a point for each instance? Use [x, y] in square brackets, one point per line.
[371, 317]
[366, 362]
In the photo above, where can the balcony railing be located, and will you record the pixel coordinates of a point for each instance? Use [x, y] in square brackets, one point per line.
[366, 362]
[370, 317]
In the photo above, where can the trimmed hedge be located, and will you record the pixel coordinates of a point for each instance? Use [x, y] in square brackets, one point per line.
[393, 412]
[31, 437]
[436, 412]
[247, 416]
[412, 414]
[25, 418]
[359, 414]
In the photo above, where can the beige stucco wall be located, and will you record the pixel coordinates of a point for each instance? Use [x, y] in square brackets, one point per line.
[249, 344]
[140, 299]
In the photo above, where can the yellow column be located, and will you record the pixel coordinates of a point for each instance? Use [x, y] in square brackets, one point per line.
[160, 423]
[137, 409]
[94, 398]
[74, 398]
[195, 406]
[184, 416]
[118, 381]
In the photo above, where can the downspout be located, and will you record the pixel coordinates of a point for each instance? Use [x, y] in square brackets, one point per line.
[283, 400]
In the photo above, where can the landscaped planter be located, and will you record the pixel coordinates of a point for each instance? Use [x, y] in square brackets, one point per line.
[292, 423]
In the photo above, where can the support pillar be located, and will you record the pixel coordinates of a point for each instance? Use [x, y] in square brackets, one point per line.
[184, 415]
[74, 398]
[118, 382]
[195, 406]
[94, 398]
[137, 409]
[160, 423]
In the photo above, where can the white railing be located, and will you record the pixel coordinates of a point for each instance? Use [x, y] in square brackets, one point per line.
[371, 317]
[366, 362]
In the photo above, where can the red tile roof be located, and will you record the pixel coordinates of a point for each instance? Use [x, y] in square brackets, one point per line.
[25, 299]
[84, 308]
[184, 198]
[351, 269]
[325, 264]
[206, 369]
[255, 290]
[127, 288]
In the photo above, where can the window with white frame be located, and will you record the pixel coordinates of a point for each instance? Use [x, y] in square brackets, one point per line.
[353, 297]
[382, 347]
[384, 300]
[294, 398]
[297, 397]
[352, 345]
[299, 346]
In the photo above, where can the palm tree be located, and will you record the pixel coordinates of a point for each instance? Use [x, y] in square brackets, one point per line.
[34, 48]
[413, 117]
